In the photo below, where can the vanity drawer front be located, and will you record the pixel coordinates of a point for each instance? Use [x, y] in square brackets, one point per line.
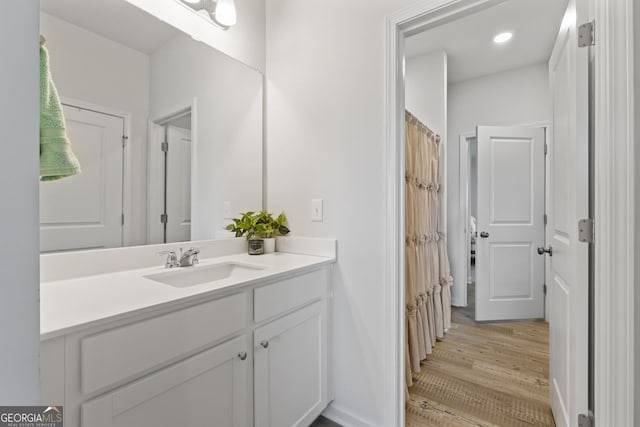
[115, 355]
[271, 300]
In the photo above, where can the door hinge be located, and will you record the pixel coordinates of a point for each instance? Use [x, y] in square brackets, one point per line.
[164, 146]
[546, 219]
[586, 230]
[587, 34]
[124, 140]
[586, 420]
[546, 148]
[122, 219]
[164, 218]
[544, 289]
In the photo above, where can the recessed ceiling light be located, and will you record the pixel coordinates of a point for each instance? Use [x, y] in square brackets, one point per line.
[502, 37]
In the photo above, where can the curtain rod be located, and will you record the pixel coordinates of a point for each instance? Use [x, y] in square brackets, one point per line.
[410, 117]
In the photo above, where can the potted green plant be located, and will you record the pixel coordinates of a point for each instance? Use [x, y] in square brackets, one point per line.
[260, 226]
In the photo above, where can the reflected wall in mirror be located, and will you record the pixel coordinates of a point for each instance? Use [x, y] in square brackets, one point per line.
[168, 130]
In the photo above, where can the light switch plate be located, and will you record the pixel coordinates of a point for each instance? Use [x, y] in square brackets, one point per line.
[316, 210]
[227, 210]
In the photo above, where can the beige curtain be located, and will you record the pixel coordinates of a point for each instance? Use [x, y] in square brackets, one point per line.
[427, 273]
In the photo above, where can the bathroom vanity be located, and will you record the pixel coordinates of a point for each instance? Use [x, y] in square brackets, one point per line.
[233, 341]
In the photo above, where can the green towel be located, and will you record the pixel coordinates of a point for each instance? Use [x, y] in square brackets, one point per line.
[56, 158]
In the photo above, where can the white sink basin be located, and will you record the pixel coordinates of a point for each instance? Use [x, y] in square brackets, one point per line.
[200, 274]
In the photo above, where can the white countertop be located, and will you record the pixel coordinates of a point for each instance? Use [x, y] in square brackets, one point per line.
[73, 304]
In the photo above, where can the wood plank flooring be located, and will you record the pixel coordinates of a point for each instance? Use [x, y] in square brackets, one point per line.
[484, 375]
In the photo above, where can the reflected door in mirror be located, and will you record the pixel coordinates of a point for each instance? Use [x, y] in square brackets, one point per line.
[178, 185]
[85, 211]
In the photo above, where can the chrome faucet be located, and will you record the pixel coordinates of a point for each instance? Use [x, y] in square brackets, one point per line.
[189, 257]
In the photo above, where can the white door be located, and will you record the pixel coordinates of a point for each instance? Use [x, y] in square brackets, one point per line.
[178, 184]
[85, 211]
[567, 277]
[208, 389]
[509, 271]
[290, 368]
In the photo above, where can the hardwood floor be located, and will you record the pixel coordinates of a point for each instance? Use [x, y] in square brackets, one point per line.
[491, 374]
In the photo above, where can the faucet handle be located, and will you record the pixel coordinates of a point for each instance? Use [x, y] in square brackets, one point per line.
[172, 258]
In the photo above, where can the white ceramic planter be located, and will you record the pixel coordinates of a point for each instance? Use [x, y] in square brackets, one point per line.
[269, 245]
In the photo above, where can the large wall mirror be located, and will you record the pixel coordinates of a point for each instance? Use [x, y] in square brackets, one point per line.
[168, 130]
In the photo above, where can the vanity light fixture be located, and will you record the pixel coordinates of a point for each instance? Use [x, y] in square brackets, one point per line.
[221, 13]
[502, 37]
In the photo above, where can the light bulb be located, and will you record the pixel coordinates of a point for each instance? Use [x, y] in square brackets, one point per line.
[502, 37]
[226, 13]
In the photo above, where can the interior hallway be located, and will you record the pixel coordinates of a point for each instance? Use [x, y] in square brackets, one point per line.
[491, 374]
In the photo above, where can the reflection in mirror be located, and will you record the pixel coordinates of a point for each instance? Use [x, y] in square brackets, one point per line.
[168, 130]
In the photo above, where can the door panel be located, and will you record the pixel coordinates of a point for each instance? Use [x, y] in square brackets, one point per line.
[510, 274]
[507, 262]
[567, 276]
[84, 211]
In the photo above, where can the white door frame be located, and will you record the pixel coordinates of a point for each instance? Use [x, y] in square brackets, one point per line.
[614, 201]
[127, 168]
[459, 290]
[154, 168]
[615, 213]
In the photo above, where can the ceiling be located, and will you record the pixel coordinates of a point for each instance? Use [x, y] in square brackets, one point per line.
[469, 45]
[116, 20]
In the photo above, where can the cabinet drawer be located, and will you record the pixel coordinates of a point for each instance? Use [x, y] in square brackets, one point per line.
[277, 298]
[115, 355]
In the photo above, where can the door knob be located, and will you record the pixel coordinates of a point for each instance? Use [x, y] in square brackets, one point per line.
[484, 234]
[264, 344]
[542, 250]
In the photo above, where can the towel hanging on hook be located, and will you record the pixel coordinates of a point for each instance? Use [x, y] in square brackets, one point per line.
[42, 40]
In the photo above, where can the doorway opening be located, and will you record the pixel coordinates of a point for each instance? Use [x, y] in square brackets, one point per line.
[501, 87]
[170, 159]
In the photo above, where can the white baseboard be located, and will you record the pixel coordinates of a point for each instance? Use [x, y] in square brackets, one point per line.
[558, 408]
[455, 302]
[344, 417]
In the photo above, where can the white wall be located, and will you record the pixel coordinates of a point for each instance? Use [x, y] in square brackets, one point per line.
[473, 178]
[515, 97]
[244, 41]
[226, 127]
[426, 90]
[19, 174]
[426, 98]
[325, 139]
[88, 67]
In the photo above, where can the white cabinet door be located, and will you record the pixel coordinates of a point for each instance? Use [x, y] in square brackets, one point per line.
[210, 388]
[510, 273]
[84, 211]
[291, 369]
